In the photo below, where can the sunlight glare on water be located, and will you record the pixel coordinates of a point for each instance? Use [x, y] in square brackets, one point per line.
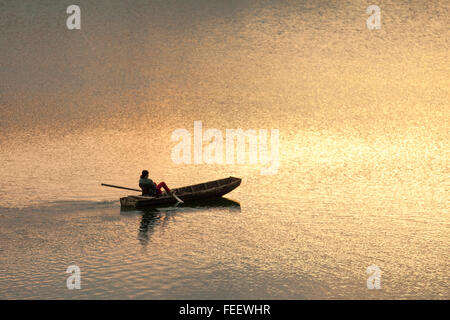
[363, 119]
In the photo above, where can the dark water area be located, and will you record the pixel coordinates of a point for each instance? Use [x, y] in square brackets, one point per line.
[363, 175]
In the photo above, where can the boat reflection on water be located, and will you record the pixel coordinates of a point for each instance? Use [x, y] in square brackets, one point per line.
[148, 222]
[152, 217]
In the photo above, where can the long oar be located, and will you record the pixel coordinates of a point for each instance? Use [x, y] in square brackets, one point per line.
[125, 188]
[119, 187]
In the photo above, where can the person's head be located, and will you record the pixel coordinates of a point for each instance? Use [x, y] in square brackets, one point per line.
[144, 174]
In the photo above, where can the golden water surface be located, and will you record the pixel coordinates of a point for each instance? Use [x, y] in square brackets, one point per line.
[363, 119]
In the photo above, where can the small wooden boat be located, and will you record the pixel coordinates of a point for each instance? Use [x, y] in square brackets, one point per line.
[211, 189]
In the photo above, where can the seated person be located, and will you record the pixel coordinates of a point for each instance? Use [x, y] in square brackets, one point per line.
[149, 188]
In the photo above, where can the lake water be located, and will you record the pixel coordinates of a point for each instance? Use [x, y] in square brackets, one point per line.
[363, 146]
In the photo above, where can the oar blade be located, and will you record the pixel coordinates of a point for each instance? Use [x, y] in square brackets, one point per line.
[178, 199]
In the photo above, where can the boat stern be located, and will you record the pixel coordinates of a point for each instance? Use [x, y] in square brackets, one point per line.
[128, 202]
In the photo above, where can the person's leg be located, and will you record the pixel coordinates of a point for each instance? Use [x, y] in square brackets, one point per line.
[162, 185]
